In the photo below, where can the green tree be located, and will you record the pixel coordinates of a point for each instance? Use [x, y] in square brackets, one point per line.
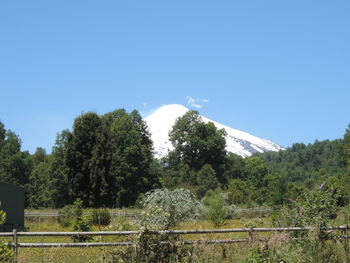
[196, 144]
[108, 158]
[132, 159]
[217, 211]
[81, 146]
[234, 167]
[206, 180]
[39, 181]
[101, 180]
[15, 165]
[58, 171]
[2, 134]
[346, 147]
[255, 171]
[276, 189]
[313, 162]
[240, 191]
[81, 223]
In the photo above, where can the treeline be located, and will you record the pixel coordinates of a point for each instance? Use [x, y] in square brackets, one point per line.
[307, 167]
[107, 161]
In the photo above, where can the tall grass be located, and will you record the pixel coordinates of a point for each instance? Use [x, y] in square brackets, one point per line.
[278, 246]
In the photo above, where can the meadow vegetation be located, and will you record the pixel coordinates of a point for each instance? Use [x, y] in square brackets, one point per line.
[106, 161]
[315, 245]
[278, 246]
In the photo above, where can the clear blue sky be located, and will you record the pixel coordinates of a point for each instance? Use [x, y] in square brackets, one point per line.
[276, 69]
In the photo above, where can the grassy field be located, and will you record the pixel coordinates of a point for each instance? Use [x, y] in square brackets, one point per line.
[95, 254]
[201, 253]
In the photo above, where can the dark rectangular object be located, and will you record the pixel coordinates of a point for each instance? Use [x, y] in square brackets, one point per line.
[12, 202]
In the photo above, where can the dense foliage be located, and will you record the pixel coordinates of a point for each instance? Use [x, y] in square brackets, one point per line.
[107, 161]
[104, 161]
[197, 144]
[301, 162]
[313, 208]
[15, 165]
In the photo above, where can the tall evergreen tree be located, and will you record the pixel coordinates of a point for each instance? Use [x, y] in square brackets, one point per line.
[109, 159]
[206, 180]
[38, 187]
[102, 181]
[58, 171]
[346, 147]
[81, 145]
[2, 134]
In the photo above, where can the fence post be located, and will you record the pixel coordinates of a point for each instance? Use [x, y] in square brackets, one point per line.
[347, 242]
[15, 244]
[250, 232]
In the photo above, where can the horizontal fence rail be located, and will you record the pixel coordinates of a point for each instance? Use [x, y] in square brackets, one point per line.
[56, 214]
[135, 214]
[176, 232]
[15, 235]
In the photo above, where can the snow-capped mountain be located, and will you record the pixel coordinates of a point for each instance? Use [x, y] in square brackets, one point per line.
[241, 143]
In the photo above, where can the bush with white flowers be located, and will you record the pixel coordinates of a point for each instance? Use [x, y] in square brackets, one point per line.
[164, 208]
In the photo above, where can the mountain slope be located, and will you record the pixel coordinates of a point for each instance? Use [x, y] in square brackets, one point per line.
[161, 121]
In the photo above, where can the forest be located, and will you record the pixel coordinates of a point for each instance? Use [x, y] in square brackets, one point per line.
[107, 161]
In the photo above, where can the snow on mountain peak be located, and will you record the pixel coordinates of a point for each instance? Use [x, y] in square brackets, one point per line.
[162, 120]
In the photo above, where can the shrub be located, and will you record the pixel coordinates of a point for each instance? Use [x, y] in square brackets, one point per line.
[217, 208]
[217, 211]
[66, 216]
[81, 223]
[255, 255]
[121, 224]
[314, 208]
[164, 208]
[101, 217]
[151, 247]
[2, 217]
[6, 252]
[318, 207]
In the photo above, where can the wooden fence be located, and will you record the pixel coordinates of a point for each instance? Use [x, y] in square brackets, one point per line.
[15, 235]
[56, 214]
[250, 231]
[135, 214]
